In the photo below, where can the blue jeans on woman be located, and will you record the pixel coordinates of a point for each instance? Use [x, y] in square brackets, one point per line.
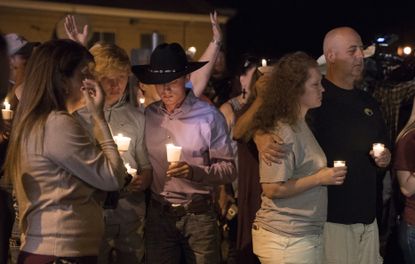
[407, 241]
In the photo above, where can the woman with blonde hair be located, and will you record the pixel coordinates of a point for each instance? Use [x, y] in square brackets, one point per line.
[58, 173]
[404, 166]
[289, 224]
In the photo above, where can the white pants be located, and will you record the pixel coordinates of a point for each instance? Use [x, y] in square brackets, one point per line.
[279, 249]
[351, 244]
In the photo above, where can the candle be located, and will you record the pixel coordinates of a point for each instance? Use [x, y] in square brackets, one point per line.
[131, 171]
[378, 148]
[173, 153]
[264, 63]
[142, 100]
[339, 163]
[6, 113]
[122, 142]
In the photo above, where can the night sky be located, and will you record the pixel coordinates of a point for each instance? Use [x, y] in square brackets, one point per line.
[272, 28]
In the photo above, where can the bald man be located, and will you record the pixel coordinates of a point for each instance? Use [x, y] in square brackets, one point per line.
[346, 125]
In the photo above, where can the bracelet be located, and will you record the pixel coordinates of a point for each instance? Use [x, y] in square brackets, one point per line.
[216, 42]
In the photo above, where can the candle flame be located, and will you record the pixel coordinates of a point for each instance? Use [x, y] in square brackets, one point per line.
[6, 104]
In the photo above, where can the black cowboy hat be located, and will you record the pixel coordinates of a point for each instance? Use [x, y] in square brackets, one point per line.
[167, 63]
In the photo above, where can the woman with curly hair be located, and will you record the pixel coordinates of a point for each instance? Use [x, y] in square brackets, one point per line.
[289, 224]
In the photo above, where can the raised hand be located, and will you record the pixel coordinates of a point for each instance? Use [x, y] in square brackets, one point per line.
[71, 30]
[216, 31]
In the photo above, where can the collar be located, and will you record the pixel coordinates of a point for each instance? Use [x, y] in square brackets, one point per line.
[119, 103]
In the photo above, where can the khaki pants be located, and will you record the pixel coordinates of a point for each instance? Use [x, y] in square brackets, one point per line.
[278, 249]
[351, 244]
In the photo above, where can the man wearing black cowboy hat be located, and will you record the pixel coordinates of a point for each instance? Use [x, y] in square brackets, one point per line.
[181, 221]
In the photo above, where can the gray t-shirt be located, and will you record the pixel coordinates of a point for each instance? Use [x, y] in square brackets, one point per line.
[304, 213]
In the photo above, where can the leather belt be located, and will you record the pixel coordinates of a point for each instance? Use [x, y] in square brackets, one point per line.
[178, 210]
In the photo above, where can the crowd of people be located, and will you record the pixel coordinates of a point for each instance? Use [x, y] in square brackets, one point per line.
[275, 164]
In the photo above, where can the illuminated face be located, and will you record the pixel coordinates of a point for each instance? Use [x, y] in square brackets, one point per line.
[173, 93]
[313, 90]
[348, 59]
[114, 85]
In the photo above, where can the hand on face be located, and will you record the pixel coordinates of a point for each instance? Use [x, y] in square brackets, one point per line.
[94, 97]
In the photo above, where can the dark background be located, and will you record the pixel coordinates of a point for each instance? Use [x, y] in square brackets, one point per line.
[273, 28]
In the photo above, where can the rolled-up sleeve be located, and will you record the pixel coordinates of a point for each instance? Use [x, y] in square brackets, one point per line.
[222, 166]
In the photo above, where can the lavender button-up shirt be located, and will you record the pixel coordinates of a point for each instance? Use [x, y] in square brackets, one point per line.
[200, 130]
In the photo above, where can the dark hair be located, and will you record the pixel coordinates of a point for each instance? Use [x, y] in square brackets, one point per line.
[248, 61]
[27, 50]
[283, 91]
[49, 70]
[4, 68]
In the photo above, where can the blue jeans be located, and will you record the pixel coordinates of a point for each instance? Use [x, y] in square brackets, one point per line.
[407, 241]
[123, 243]
[191, 238]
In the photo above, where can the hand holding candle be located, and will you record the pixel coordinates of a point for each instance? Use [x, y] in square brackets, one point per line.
[173, 153]
[122, 142]
[6, 113]
[378, 148]
[136, 183]
[131, 171]
[381, 155]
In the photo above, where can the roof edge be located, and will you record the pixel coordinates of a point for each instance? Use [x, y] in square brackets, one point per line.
[110, 11]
